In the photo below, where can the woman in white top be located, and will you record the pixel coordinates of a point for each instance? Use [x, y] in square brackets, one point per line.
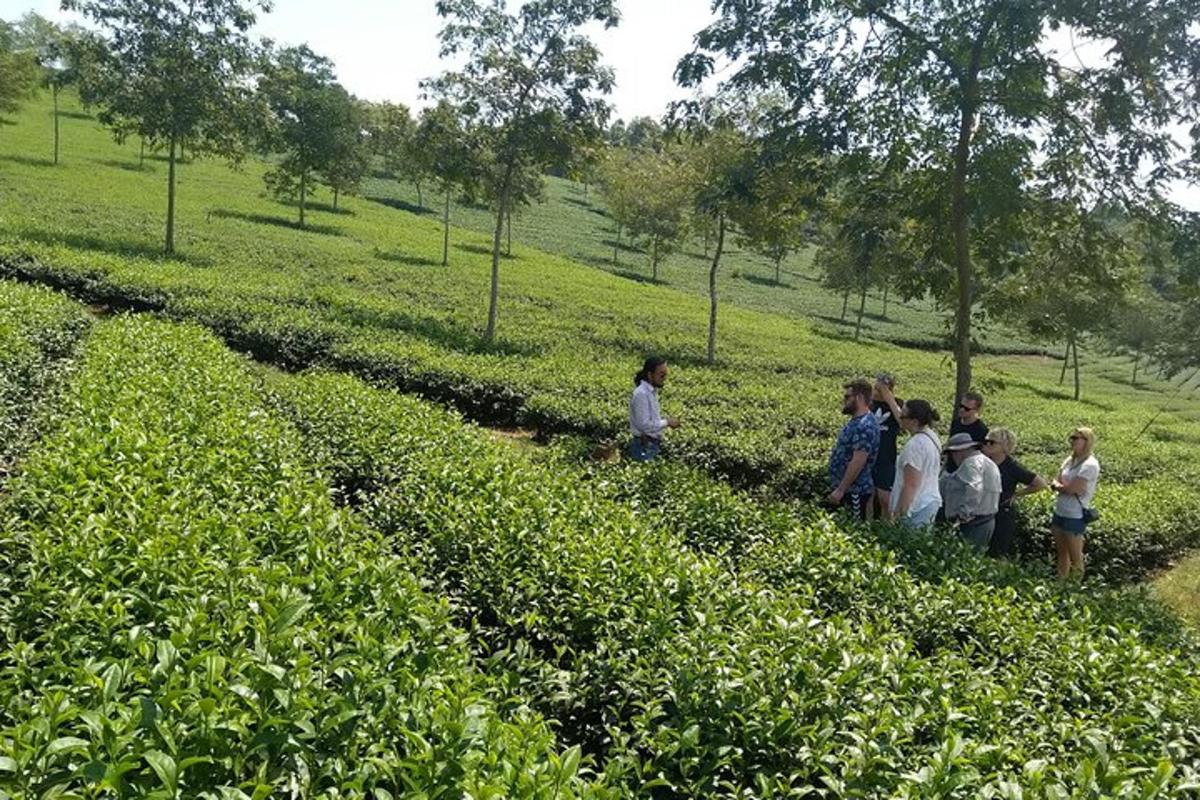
[1076, 488]
[916, 498]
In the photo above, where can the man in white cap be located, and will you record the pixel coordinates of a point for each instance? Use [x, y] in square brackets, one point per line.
[971, 493]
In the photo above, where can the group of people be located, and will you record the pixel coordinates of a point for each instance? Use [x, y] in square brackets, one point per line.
[971, 483]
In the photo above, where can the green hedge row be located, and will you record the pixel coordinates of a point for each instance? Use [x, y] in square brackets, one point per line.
[39, 331]
[791, 660]
[184, 612]
[765, 419]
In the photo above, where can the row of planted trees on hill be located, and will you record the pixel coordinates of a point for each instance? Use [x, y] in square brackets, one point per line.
[982, 116]
[191, 76]
[952, 153]
[709, 178]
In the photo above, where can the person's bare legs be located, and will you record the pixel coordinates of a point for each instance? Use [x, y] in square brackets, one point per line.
[1062, 546]
[1075, 549]
[884, 498]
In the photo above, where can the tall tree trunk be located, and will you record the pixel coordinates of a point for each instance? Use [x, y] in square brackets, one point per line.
[617, 247]
[962, 247]
[501, 212]
[654, 258]
[862, 309]
[712, 290]
[170, 246]
[303, 194]
[887, 287]
[1062, 375]
[1137, 360]
[1075, 350]
[54, 91]
[845, 303]
[446, 230]
[778, 259]
[706, 237]
[508, 246]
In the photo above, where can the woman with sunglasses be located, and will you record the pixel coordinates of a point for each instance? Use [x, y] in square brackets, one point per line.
[999, 446]
[1076, 488]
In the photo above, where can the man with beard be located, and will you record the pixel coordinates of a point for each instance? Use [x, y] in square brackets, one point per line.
[854, 454]
[646, 422]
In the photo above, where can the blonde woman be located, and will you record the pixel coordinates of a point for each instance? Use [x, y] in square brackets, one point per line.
[999, 446]
[1076, 488]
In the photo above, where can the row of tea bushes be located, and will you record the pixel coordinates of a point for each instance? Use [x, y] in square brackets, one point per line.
[184, 612]
[39, 331]
[809, 664]
[764, 417]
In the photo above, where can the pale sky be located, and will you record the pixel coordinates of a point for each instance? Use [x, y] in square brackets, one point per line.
[382, 49]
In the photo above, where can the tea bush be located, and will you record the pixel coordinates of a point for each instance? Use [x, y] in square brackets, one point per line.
[811, 663]
[184, 613]
[38, 333]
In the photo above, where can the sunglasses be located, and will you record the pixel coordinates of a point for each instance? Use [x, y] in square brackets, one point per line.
[990, 441]
[1074, 438]
[966, 407]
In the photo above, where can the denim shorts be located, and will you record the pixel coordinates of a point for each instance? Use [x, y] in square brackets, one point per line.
[644, 452]
[921, 517]
[1076, 526]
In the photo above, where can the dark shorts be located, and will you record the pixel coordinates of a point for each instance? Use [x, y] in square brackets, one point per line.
[1076, 526]
[857, 504]
[884, 474]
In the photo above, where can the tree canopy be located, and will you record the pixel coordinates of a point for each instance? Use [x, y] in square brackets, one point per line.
[531, 87]
[173, 72]
[975, 99]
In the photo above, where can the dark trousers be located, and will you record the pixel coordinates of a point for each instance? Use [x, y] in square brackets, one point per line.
[1004, 538]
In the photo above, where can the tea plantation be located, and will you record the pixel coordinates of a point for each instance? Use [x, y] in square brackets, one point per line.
[222, 580]
[247, 605]
[361, 291]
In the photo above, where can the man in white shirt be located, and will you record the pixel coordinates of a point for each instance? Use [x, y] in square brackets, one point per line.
[971, 492]
[646, 422]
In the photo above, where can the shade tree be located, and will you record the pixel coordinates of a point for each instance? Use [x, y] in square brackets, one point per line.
[975, 97]
[309, 120]
[449, 154]
[532, 86]
[18, 70]
[723, 160]
[174, 72]
[779, 224]
[865, 237]
[650, 195]
[350, 157]
[58, 51]
[1076, 275]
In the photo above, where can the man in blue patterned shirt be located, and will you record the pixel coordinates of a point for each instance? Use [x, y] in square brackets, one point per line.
[853, 456]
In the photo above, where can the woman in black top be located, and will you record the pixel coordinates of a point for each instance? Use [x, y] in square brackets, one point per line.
[999, 446]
